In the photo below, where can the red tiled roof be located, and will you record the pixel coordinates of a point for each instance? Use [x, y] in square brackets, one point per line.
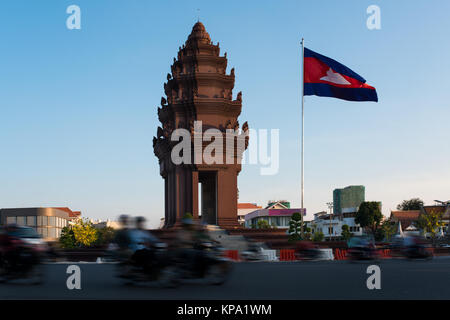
[72, 214]
[406, 218]
[440, 209]
[405, 215]
[63, 209]
[75, 214]
[248, 206]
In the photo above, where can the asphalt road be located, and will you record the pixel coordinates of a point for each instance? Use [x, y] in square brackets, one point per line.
[400, 279]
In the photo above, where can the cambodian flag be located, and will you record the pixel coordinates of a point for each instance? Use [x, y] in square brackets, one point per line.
[326, 77]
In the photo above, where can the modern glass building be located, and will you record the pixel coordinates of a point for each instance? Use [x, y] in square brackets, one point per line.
[48, 222]
[348, 199]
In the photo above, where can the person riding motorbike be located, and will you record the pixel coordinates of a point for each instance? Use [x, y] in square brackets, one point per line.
[307, 250]
[197, 255]
[8, 248]
[361, 248]
[191, 238]
[185, 238]
[415, 247]
[141, 245]
[20, 250]
[121, 242]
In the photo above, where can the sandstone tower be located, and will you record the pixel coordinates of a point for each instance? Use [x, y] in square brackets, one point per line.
[199, 89]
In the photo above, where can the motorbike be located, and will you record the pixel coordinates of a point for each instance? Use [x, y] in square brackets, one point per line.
[253, 253]
[310, 254]
[22, 259]
[363, 253]
[204, 264]
[154, 267]
[417, 252]
[307, 251]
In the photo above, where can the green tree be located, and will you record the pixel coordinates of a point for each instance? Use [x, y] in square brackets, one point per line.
[346, 234]
[105, 236]
[307, 233]
[387, 229]
[369, 216]
[85, 234]
[412, 204]
[263, 224]
[318, 236]
[67, 238]
[295, 227]
[430, 222]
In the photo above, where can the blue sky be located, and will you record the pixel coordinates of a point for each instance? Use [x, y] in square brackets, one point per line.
[78, 107]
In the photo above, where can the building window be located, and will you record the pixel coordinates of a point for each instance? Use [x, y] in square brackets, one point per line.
[52, 232]
[21, 221]
[276, 221]
[31, 221]
[11, 220]
[52, 221]
[330, 230]
[42, 220]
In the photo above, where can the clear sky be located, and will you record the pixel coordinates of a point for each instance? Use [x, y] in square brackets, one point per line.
[78, 107]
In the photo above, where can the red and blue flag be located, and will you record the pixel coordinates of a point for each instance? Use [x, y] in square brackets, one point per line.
[326, 77]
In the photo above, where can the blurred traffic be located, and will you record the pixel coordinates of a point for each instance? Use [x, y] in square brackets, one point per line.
[191, 255]
[21, 254]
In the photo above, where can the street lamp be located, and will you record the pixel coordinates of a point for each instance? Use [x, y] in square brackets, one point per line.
[330, 206]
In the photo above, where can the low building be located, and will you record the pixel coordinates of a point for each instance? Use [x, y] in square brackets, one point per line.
[245, 208]
[406, 218]
[444, 208]
[99, 224]
[277, 214]
[331, 224]
[48, 222]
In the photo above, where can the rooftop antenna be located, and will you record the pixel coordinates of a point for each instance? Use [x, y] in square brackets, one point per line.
[198, 15]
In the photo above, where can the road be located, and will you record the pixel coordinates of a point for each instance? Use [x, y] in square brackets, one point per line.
[400, 279]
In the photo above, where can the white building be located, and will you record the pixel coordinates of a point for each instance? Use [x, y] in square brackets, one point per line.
[277, 214]
[98, 224]
[332, 227]
[245, 208]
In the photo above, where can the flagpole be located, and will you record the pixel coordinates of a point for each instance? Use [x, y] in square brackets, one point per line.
[303, 133]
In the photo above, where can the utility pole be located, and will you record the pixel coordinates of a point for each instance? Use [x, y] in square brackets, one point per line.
[330, 206]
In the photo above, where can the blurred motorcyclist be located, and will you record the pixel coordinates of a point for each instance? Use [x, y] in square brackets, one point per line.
[415, 247]
[190, 239]
[141, 244]
[306, 249]
[8, 247]
[186, 234]
[21, 250]
[198, 256]
[122, 239]
[362, 248]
